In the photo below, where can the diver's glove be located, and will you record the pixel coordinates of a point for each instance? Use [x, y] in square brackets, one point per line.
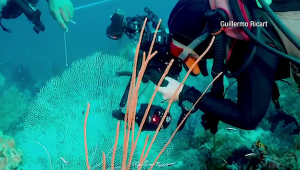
[62, 11]
[168, 89]
[210, 123]
[190, 94]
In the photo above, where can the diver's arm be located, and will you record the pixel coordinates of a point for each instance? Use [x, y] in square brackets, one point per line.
[155, 23]
[153, 18]
[254, 95]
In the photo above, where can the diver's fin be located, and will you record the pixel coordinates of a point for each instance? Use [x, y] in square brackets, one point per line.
[3, 28]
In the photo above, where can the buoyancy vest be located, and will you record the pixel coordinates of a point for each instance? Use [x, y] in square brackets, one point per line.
[289, 13]
[291, 20]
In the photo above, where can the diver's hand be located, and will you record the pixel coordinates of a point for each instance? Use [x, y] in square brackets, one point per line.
[62, 11]
[168, 91]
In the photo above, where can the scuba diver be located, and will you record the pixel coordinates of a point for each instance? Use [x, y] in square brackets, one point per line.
[61, 10]
[156, 66]
[132, 26]
[154, 117]
[257, 56]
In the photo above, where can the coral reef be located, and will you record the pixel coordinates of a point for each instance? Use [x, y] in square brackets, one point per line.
[53, 127]
[231, 148]
[290, 101]
[10, 156]
[13, 107]
[55, 118]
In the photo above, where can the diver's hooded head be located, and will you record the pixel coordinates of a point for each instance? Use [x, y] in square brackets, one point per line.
[187, 21]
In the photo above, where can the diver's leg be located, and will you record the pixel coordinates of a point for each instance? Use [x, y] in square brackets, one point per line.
[255, 86]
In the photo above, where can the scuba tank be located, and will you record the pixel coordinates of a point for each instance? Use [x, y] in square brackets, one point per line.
[239, 11]
[243, 11]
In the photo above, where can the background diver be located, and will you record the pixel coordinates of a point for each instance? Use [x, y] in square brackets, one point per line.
[256, 64]
[61, 10]
[131, 26]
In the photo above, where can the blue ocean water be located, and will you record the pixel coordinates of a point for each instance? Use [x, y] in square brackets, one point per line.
[43, 102]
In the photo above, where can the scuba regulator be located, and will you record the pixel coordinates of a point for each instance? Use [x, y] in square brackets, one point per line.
[15, 8]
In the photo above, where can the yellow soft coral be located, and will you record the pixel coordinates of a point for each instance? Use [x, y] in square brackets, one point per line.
[10, 156]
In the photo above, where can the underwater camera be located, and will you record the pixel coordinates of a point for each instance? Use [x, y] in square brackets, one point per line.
[157, 65]
[154, 70]
[150, 15]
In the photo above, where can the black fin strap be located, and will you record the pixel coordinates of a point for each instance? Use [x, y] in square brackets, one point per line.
[3, 28]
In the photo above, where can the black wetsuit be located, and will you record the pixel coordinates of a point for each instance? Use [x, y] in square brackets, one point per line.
[255, 84]
[255, 87]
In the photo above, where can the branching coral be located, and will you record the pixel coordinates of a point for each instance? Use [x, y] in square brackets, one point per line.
[10, 156]
[55, 117]
[274, 152]
[233, 166]
[13, 106]
[289, 100]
